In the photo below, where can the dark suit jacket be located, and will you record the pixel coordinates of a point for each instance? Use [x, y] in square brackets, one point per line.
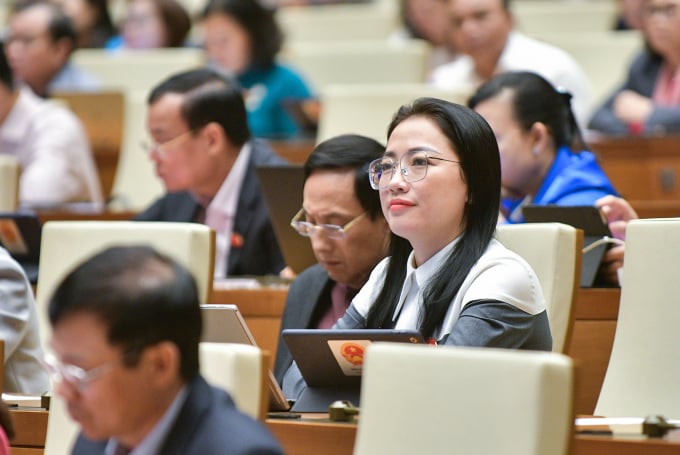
[641, 79]
[259, 253]
[207, 424]
[309, 296]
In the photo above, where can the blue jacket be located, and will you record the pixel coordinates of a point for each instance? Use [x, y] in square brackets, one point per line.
[573, 179]
[267, 92]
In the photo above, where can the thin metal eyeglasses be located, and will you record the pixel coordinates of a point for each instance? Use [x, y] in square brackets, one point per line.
[412, 166]
[72, 374]
[307, 229]
[159, 148]
[667, 11]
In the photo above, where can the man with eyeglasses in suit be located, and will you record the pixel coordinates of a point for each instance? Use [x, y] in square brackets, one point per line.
[343, 219]
[204, 153]
[126, 326]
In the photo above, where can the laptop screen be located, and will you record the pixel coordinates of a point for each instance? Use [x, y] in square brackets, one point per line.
[282, 190]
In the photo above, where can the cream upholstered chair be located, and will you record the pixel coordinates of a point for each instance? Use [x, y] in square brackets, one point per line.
[137, 69]
[553, 250]
[135, 185]
[368, 108]
[577, 16]
[604, 56]
[241, 370]
[359, 62]
[643, 373]
[443, 400]
[61, 430]
[368, 21]
[67, 243]
[9, 183]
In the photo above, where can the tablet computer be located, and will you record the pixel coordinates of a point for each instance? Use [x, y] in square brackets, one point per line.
[331, 362]
[225, 324]
[587, 218]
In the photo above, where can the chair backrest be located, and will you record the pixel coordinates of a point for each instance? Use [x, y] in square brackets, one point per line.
[64, 244]
[137, 69]
[9, 183]
[359, 62]
[135, 185]
[421, 399]
[643, 373]
[534, 17]
[369, 21]
[368, 108]
[241, 370]
[604, 56]
[61, 429]
[554, 251]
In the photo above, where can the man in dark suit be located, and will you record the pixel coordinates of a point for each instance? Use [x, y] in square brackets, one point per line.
[206, 158]
[126, 329]
[341, 214]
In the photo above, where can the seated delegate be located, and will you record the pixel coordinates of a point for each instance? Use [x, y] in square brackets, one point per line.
[648, 102]
[543, 159]
[446, 276]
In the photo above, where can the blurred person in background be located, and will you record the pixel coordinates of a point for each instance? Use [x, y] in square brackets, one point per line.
[648, 102]
[92, 21]
[427, 20]
[39, 42]
[484, 33]
[242, 38]
[151, 24]
[50, 144]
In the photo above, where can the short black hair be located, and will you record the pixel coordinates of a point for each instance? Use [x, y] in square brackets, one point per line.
[211, 96]
[259, 21]
[142, 296]
[534, 99]
[350, 151]
[6, 75]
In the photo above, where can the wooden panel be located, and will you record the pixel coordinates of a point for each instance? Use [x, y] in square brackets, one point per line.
[591, 345]
[645, 170]
[26, 451]
[102, 116]
[295, 151]
[314, 437]
[30, 427]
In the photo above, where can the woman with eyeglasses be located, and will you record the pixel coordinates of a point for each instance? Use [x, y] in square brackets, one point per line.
[439, 186]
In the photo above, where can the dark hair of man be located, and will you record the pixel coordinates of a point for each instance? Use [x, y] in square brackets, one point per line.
[534, 99]
[259, 22]
[176, 20]
[142, 296]
[60, 25]
[475, 144]
[6, 76]
[210, 96]
[350, 151]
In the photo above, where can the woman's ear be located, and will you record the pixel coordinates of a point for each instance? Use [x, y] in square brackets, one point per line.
[540, 137]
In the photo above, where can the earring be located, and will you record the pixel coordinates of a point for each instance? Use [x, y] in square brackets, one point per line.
[535, 151]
